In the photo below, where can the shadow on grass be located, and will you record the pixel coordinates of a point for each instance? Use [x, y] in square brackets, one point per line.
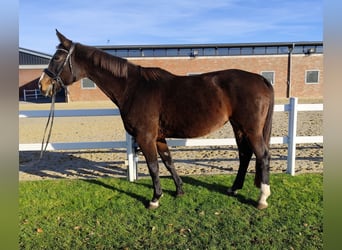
[60, 165]
[165, 191]
[215, 187]
[139, 198]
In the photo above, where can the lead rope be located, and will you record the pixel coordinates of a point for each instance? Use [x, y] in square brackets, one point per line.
[58, 80]
[51, 118]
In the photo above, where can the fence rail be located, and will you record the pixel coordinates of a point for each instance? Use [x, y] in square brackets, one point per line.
[291, 139]
[32, 93]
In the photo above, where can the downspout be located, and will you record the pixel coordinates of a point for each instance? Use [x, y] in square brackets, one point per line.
[289, 70]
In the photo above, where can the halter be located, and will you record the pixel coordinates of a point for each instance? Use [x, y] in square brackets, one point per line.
[56, 79]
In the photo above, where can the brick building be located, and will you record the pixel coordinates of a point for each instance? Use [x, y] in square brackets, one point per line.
[31, 65]
[295, 69]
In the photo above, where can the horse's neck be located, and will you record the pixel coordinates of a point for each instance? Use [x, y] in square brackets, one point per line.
[112, 85]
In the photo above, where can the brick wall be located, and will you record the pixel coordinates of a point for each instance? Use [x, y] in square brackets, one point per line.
[186, 65]
[76, 93]
[254, 64]
[28, 79]
[300, 64]
[28, 75]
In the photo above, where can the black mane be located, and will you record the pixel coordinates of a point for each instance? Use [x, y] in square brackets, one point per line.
[116, 65]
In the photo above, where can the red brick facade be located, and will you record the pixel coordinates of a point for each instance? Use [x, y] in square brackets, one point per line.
[193, 65]
[28, 78]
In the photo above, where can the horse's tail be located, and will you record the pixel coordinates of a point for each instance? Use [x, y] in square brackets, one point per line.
[268, 122]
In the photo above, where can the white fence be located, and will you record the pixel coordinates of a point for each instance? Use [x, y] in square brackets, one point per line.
[32, 93]
[291, 139]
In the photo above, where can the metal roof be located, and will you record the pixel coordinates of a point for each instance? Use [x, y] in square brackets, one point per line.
[218, 49]
[210, 45]
[31, 57]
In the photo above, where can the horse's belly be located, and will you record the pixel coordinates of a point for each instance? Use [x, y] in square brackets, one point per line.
[194, 125]
[194, 112]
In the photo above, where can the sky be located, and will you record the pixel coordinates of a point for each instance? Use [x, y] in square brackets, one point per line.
[152, 22]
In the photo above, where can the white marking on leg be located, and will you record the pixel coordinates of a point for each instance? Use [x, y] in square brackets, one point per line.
[231, 192]
[264, 194]
[154, 204]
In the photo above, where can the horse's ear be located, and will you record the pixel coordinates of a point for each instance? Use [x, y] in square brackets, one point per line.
[64, 41]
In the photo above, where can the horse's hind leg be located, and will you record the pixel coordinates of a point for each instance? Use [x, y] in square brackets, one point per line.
[245, 154]
[165, 155]
[262, 165]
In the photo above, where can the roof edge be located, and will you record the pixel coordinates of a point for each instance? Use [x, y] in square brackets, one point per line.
[209, 45]
[35, 53]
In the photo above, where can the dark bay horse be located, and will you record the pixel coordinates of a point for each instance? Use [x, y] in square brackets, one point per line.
[155, 104]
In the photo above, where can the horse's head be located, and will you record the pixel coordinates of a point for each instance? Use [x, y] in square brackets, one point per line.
[60, 71]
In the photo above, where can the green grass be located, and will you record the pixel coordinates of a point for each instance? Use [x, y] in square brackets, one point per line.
[111, 214]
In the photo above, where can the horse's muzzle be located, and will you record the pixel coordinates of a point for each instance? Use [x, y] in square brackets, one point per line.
[46, 85]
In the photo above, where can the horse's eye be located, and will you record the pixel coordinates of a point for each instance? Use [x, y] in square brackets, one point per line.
[57, 58]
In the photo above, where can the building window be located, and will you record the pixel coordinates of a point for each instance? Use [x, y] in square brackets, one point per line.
[134, 52]
[283, 50]
[172, 52]
[269, 75]
[259, 50]
[86, 83]
[234, 51]
[160, 52]
[122, 52]
[312, 76]
[197, 52]
[222, 51]
[184, 52]
[209, 52]
[247, 51]
[147, 52]
[298, 49]
[271, 50]
[319, 48]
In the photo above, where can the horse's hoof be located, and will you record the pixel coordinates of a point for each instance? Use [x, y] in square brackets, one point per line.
[262, 206]
[153, 205]
[230, 192]
[179, 194]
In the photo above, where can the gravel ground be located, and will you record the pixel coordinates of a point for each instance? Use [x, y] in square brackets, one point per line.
[188, 160]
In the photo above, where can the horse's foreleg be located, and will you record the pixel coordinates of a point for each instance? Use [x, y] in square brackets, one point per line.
[157, 190]
[165, 155]
[150, 152]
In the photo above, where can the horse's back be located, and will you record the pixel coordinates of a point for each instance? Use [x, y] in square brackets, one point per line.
[194, 106]
[221, 89]
[240, 83]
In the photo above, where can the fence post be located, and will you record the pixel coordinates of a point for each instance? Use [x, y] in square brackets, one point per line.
[132, 173]
[292, 133]
[25, 95]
